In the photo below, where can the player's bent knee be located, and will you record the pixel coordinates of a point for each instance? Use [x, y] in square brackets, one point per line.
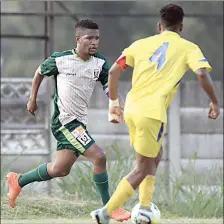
[146, 165]
[140, 173]
[101, 159]
[60, 172]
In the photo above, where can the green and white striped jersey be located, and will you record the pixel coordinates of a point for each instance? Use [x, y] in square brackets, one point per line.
[75, 80]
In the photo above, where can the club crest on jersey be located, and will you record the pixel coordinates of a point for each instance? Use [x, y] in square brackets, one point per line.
[96, 74]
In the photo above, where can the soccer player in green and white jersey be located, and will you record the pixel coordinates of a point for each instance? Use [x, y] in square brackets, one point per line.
[76, 73]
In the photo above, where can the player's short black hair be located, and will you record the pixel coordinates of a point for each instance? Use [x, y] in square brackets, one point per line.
[86, 24]
[171, 15]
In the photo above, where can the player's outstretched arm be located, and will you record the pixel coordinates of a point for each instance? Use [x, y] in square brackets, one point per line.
[32, 103]
[114, 76]
[48, 68]
[115, 111]
[121, 64]
[208, 86]
[103, 78]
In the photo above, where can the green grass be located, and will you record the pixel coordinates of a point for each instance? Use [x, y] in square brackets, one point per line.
[54, 210]
[190, 202]
[46, 208]
[89, 221]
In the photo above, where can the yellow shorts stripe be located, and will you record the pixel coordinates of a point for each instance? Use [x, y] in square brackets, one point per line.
[71, 139]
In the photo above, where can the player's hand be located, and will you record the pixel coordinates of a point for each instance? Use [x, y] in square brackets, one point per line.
[115, 114]
[32, 106]
[214, 111]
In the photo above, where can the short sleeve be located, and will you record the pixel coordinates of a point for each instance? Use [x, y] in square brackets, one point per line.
[130, 53]
[129, 58]
[196, 60]
[49, 67]
[103, 77]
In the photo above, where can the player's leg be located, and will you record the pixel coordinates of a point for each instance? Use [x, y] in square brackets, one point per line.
[153, 138]
[145, 166]
[66, 155]
[85, 145]
[65, 158]
[44, 172]
[97, 156]
[103, 215]
[126, 189]
[147, 185]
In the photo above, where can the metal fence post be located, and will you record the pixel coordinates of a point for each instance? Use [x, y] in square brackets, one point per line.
[174, 137]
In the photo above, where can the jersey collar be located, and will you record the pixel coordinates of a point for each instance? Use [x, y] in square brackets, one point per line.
[76, 55]
[169, 33]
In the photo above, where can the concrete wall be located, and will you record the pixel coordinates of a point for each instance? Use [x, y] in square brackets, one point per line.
[198, 134]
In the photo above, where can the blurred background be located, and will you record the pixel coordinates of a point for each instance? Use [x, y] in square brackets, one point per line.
[32, 30]
[120, 24]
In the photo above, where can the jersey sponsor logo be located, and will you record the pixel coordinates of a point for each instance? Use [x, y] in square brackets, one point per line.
[81, 135]
[70, 74]
[96, 74]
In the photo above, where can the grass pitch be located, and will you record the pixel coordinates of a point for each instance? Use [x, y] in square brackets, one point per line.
[89, 221]
[39, 210]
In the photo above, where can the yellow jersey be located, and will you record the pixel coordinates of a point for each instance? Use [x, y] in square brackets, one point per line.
[159, 62]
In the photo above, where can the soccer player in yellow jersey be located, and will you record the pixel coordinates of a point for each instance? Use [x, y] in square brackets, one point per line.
[159, 63]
